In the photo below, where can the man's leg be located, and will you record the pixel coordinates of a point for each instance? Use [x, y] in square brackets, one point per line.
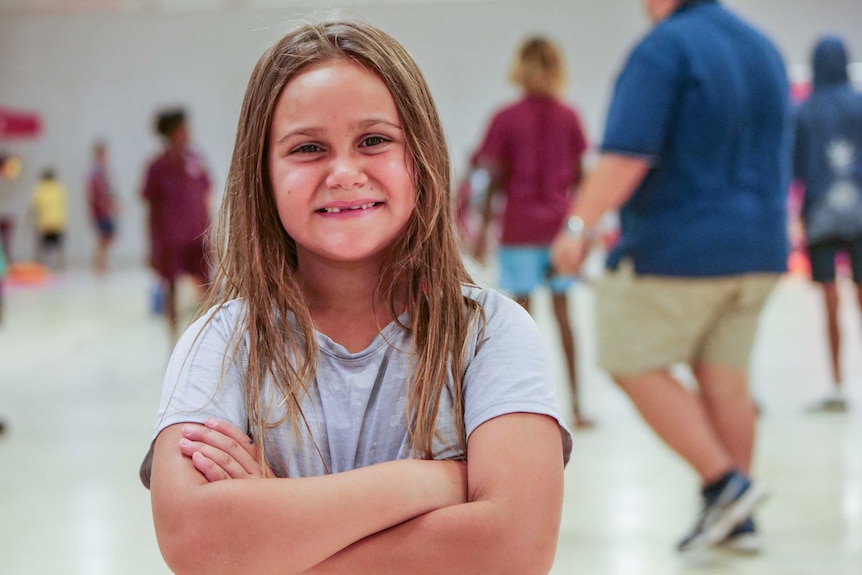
[680, 420]
[728, 405]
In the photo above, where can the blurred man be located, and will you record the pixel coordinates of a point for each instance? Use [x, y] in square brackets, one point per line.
[695, 153]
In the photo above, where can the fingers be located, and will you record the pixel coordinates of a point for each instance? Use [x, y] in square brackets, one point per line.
[567, 254]
[233, 433]
[208, 467]
[235, 456]
[206, 458]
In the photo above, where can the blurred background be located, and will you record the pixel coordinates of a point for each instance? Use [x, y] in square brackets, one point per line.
[82, 356]
[101, 68]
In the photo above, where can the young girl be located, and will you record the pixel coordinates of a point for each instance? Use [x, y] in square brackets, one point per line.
[349, 403]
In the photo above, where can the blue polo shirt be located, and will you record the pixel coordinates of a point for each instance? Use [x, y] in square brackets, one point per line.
[704, 97]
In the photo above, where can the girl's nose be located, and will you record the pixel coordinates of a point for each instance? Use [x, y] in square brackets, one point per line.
[346, 172]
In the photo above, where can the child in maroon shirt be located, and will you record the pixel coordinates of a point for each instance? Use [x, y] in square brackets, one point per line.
[177, 189]
[533, 151]
[103, 206]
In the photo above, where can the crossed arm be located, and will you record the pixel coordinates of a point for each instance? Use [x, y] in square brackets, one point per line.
[499, 513]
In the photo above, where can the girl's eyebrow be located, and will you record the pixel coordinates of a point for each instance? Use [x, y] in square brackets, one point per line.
[315, 131]
[310, 132]
[374, 121]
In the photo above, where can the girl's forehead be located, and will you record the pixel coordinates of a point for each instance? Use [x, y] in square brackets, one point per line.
[341, 64]
[338, 83]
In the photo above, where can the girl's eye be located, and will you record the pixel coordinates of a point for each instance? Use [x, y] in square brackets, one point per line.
[371, 141]
[306, 149]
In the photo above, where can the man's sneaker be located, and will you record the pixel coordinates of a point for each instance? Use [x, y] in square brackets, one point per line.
[722, 512]
[744, 538]
[831, 404]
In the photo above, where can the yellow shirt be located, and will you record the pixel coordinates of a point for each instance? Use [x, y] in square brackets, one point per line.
[49, 203]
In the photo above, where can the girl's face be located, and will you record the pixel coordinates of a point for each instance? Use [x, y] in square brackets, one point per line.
[339, 164]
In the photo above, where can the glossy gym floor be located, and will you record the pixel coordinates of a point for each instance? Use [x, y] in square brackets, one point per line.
[81, 361]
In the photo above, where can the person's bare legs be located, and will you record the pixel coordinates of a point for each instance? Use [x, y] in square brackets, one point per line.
[567, 340]
[100, 259]
[728, 404]
[679, 418]
[170, 303]
[830, 300]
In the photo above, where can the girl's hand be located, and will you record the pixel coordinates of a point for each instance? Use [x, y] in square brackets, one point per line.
[220, 450]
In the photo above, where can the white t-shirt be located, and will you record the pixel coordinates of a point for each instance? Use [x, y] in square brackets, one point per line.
[357, 406]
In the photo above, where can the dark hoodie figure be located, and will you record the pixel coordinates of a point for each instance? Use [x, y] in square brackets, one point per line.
[827, 160]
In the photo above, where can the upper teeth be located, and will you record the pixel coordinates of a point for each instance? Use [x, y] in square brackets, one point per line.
[337, 210]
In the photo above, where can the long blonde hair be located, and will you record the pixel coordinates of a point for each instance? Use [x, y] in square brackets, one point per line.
[256, 259]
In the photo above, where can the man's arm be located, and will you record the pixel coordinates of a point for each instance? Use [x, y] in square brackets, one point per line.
[611, 182]
[284, 525]
[509, 525]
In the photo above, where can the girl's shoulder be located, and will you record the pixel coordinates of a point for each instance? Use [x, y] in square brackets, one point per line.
[495, 306]
[222, 319]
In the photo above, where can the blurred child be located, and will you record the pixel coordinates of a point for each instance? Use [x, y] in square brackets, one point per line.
[177, 191]
[533, 150]
[103, 206]
[49, 205]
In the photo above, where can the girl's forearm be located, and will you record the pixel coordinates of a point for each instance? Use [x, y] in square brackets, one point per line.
[288, 525]
[511, 524]
[477, 537]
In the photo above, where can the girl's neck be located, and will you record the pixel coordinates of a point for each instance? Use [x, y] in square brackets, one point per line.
[343, 303]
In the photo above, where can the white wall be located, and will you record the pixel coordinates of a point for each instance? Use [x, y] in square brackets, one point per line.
[103, 75]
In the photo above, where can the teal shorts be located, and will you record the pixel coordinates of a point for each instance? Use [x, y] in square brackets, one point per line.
[522, 270]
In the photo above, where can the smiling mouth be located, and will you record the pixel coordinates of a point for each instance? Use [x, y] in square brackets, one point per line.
[350, 209]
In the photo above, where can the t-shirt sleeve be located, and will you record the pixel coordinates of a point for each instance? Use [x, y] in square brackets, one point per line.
[645, 96]
[579, 146]
[493, 147]
[150, 188]
[202, 380]
[510, 371]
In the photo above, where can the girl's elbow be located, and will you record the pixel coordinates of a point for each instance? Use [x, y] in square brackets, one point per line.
[186, 541]
[182, 548]
[534, 556]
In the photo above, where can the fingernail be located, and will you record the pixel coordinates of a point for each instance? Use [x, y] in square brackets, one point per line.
[185, 442]
[188, 429]
[211, 422]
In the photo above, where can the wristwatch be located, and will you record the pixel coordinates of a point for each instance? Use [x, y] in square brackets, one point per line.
[575, 226]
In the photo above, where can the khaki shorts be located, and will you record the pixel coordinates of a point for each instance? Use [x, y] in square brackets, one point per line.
[648, 323]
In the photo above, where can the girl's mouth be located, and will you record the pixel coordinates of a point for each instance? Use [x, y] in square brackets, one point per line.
[348, 209]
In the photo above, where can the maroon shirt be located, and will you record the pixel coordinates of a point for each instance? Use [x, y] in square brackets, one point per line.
[101, 194]
[537, 144]
[177, 189]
